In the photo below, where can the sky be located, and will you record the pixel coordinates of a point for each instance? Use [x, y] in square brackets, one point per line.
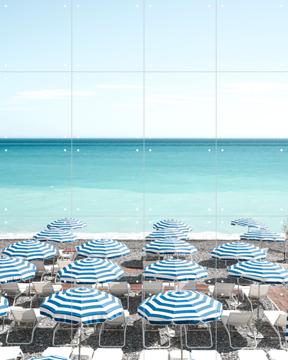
[103, 45]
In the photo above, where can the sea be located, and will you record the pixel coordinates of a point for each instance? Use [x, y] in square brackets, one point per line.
[125, 185]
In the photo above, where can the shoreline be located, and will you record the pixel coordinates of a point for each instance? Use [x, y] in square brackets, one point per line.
[128, 236]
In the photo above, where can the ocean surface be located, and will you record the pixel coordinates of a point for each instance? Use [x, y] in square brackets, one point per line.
[126, 185]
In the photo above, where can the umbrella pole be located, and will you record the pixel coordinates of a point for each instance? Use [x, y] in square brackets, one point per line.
[181, 342]
[79, 344]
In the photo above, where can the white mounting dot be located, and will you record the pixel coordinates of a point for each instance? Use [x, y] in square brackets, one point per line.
[5, 209]
[77, 209]
[209, 150]
[65, 150]
[281, 150]
[78, 150]
[137, 150]
[65, 209]
[150, 150]
[209, 209]
[5, 222]
[222, 150]
[281, 209]
[5, 150]
[5, 6]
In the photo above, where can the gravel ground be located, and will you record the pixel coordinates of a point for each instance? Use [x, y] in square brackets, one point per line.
[133, 263]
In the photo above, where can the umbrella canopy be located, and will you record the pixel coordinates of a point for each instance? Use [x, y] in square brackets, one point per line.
[169, 246]
[180, 307]
[31, 250]
[167, 233]
[175, 270]
[81, 306]
[51, 357]
[103, 249]
[174, 224]
[67, 224]
[4, 305]
[238, 250]
[90, 271]
[262, 271]
[15, 269]
[56, 235]
[262, 235]
[249, 222]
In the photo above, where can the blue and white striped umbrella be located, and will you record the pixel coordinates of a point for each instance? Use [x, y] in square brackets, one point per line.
[90, 271]
[55, 235]
[249, 222]
[4, 306]
[169, 246]
[15, 270]
[262, 235]
[103, 249]
[81, 306]
[169, 233]
[50, 357]
[172, 224]
[262, 271]
[180, 307]
[67, 224]
[31, 250]
[175, 270]
[238, 250]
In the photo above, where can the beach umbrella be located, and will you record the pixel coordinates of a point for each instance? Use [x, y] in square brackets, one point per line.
[169, 246]
[90, 271]
[81, 306]
[167, 233]
[238, 250]
[55, 235]
[103, 249]
[172, 223]
[262, 235]
[249, 222]
[15, 269]
[67, 224]
[175, 270]
[180, 307]
[51, 357]
[260, 271]
[31, 250]
[4, 306]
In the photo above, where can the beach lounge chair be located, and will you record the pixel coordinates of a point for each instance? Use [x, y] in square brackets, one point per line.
[176, 355]
[189, 285]
[222, 290]
[278, 321]
[64, 327]
[254, 292]
[118, 324]
[147, 327]
[24, 319]
[252, 355]
[86, 353]
[205, 355]
[11, 353]
[107, 354]
[43, 270]
[43, 289]
[64, 351]
[236, 318]
[120, 289]
[201, 327]
[15, 290]
[278, 354]
[151, 288]
[159, 354]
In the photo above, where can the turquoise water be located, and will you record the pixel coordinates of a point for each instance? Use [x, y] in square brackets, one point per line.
[126, 185]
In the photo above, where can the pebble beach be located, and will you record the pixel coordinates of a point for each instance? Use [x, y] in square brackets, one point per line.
[133, 266]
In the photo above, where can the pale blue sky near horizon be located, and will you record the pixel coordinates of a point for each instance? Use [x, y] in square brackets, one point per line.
[107, 54]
